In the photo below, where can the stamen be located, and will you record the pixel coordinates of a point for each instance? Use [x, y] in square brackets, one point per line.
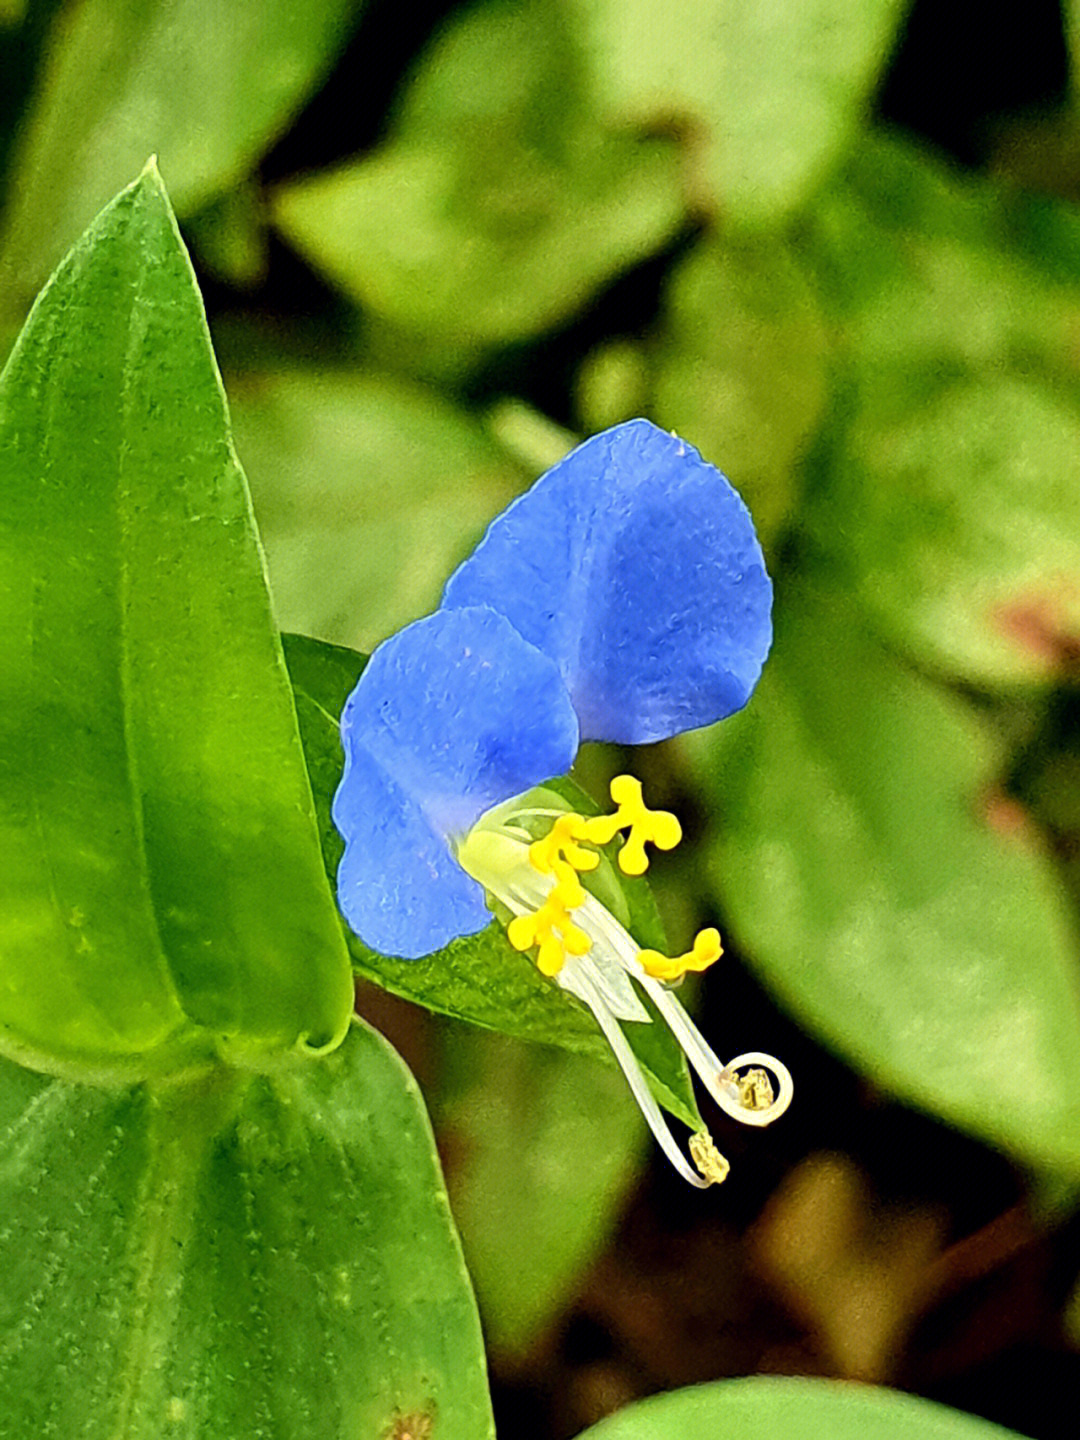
[756, 1089]
[706, 951]
[760, 1105]
[594, 957]
[584, 989]
[559, 854]
[551, 929]
[560, 844]
[657, 827]
[707, 1158]
[721, 1081]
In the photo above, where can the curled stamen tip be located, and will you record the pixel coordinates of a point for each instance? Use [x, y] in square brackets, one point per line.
[712, 1165]
[755, 1089]
[754, 1099]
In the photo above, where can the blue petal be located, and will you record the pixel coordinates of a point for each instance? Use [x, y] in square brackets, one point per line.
[453, 715]
[634, 564]
[399, 886]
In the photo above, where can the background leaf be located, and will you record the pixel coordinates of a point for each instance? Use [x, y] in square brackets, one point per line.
[776, 89]
[203, 86]
[162, 889]
[782, 1409]
[948, 499]
[718, 384]
[517, 1120]
[238, 1256]
[379, 486]
[860, 868]
[490, 214]
[961, 527]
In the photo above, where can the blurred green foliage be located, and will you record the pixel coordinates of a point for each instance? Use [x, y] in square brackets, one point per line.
[759, 1408]
[570, 211]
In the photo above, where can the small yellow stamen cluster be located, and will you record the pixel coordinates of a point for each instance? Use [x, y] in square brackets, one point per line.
[706, 950]
[559, 854]
[551, 927]
[552, 930]
[563, 855]
[657, 827]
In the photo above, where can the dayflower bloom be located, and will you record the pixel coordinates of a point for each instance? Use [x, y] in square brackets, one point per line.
[623, 598]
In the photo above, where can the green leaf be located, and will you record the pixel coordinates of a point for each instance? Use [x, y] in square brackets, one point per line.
[205, 87]
[951, 504]
[764, 1408]
[162, 894]
[929, 271]
[518, 1119]
[860, 869]
[230, 238]
[238, 1256]
[491, 214]
[368, 491]
[776, 90]
[957, 527]
[479, 978]
[931, 274]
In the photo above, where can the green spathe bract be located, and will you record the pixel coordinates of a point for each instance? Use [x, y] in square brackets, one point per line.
[162, 897]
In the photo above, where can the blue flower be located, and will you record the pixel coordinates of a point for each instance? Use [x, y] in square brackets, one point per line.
[623, 598]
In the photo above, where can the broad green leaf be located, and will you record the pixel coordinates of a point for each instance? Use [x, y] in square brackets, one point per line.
[767, 1408]
[533, 1216]
[204, 86]
[490, 214]
[775, 89]
[931, 273]
[858, 863]
[959, 527]
[369, 491]
[950, 506]
[480, 978]
[162, 894]
[235, 1256]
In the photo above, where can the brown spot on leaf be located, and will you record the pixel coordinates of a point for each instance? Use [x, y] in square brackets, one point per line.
[418, 1425]
[1006, 816]
[1038, 624]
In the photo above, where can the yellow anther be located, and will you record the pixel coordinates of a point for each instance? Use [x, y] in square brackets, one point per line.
[707, 1158]
[756, 1089]
[552, 931]
[559, 844]
[707, 949]
[559, 854]
[655, 827]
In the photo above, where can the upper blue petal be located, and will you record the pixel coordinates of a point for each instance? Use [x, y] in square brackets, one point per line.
[452, 715]
[634, 564]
